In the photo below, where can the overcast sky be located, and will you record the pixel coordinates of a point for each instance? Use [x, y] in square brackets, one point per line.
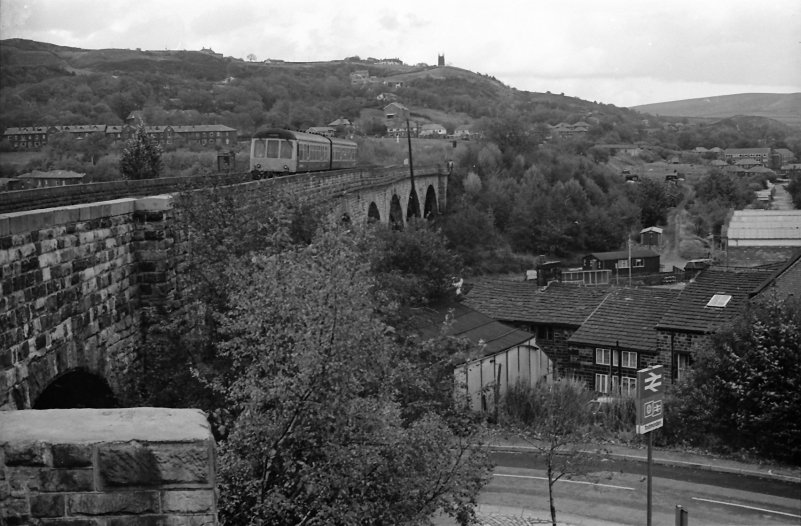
[623, 52]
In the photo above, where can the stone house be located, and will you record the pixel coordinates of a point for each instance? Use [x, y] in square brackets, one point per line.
[618, 338]
[707, 304]
[552, 313]
[506, 356]
[761, 155]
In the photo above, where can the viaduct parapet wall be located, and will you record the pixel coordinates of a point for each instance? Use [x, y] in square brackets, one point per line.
[104, 467]
[74, 279]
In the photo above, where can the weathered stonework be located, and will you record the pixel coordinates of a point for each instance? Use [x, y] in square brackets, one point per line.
[75, 280]
[107, 467]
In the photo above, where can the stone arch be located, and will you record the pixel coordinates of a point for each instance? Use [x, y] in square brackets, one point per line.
[76, 388]
[430, 209]
[373, 214]
[412, 205]
[395, 213]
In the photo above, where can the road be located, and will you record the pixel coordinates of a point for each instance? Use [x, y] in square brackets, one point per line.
[615, 492]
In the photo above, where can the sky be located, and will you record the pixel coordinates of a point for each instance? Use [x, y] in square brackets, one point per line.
[621, 52]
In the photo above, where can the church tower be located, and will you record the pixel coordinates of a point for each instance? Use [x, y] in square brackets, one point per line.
[441, 59]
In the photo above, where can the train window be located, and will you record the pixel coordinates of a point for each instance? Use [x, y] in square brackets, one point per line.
[272, 148]
[286, 150]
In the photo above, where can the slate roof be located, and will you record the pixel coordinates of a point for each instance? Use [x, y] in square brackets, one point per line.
[690, 313]
[786, 281]
[624, 254]
[627, 317]
[470, 324]
[523, 301]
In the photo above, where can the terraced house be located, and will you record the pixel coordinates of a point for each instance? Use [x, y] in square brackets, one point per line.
[35, 138]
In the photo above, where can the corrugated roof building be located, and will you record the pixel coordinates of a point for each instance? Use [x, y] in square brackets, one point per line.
[757, 237]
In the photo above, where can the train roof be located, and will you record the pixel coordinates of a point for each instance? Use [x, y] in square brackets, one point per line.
[278, 133]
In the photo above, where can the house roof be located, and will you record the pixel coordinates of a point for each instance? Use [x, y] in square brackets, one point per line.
[52, 174]
[692, 311]
[756, 224]
[651, 229]
[626, 317]
[636, 252]
[469, 324]
[747, 151]
[786, 281]
[523, 301]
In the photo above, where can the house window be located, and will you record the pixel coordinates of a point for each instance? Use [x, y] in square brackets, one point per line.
[628, 386]
[682, 365]
[602, 383]
[602, 356]
[638, 263]
[545, 333]
[629, 359]
[622, 263]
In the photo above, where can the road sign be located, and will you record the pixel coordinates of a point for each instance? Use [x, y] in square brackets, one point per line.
[650, 393]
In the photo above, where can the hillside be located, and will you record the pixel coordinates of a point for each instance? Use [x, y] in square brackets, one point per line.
[782, 107]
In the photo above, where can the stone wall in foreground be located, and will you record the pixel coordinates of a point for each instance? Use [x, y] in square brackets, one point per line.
[107, 467]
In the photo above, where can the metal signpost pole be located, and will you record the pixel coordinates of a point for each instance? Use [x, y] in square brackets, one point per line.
[649, 415]
[648, 472]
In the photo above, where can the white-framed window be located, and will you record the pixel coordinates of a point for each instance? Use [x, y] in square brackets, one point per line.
[638, 262]
[628, 386]
[602, 383]
[629, 359]
[682, 365]
[622, 263]
[602, 356]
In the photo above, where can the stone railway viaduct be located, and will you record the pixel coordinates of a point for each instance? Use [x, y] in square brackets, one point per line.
[75, 278]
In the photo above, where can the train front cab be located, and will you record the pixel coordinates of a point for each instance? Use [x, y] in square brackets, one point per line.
[272, 155]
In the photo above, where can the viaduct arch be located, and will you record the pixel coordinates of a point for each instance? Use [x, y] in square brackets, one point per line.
[77, 277]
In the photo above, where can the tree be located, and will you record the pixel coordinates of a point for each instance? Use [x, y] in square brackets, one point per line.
[141, 157]
[554, 418]
[321, 412]
[251, 57]
[412, 266]
[319, 437]
[744, 392]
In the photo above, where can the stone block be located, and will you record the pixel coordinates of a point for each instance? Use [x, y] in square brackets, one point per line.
[14, 512]
[27, 454]
[153, 464]
[187, 501]
[72, 455]
[46, 480]
[48, 505]
[69, 522]
[129, 502]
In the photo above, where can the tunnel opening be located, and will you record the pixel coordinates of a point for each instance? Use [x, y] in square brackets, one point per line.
[76, 389]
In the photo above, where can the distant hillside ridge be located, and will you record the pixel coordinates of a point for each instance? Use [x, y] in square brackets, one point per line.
[783, 107]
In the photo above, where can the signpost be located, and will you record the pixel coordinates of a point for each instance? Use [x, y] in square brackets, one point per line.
[650, 394]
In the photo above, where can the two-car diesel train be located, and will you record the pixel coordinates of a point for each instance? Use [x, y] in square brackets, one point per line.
[276, 152]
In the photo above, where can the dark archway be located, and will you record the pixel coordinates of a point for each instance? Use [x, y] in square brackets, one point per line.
[431, 209]
[373, 215]
[395, 213]
[413, 207]
[76, 388]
